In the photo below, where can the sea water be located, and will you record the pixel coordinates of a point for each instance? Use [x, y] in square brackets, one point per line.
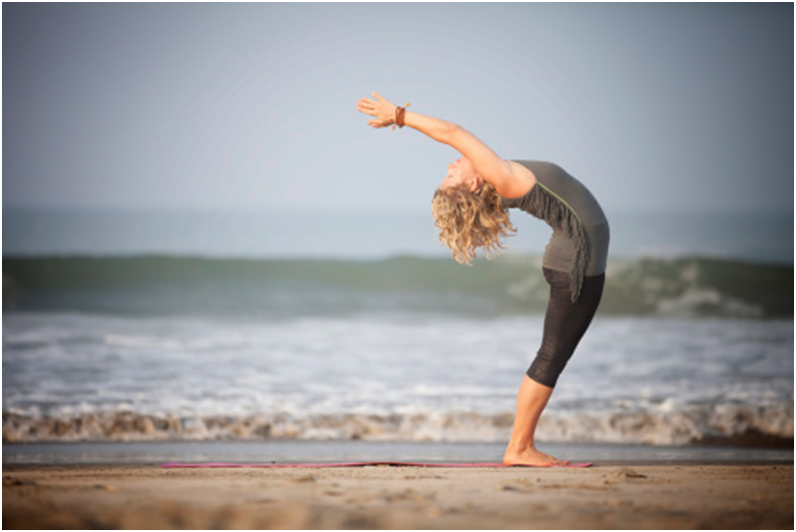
[165, 344]
[266, 233]
[161, 348]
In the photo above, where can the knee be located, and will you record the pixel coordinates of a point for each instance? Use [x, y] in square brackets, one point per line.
[547, 367]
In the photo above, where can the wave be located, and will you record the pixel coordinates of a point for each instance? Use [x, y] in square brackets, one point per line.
[510, 284]
[758, 426]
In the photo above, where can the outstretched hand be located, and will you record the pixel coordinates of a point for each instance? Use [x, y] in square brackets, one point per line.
[381, 109]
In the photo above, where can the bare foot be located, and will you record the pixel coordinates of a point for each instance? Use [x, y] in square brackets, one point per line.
[531, 457]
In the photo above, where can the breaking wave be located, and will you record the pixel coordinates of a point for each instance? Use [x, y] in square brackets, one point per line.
[761, 426]
[510, 284]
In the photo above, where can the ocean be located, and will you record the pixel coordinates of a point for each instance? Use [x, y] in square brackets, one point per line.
[268, 233]
[160, 344]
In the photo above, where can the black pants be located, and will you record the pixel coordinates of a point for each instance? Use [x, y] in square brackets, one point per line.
[564, 324]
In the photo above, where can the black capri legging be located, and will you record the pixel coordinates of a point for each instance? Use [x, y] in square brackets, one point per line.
[564, 324]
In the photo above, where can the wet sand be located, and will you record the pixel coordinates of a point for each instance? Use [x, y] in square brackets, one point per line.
[628, 495]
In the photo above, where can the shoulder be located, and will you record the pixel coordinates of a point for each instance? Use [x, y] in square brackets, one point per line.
[522, 180]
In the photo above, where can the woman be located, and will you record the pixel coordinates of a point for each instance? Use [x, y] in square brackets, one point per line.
[470, 209]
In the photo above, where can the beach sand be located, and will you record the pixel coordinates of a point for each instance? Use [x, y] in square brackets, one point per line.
[686, 495]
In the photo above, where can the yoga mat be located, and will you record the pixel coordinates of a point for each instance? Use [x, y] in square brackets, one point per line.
[355, 464]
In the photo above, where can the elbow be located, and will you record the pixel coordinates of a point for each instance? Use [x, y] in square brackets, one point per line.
[451, 133]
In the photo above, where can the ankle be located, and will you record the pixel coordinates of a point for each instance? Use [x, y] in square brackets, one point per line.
[519, 447]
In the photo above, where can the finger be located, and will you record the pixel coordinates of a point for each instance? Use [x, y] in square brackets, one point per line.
[365, 109]
[376, 95]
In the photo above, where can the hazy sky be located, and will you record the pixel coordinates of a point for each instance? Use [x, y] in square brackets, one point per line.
[653, 106]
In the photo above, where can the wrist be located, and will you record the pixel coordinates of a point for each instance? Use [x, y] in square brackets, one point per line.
[399, 118]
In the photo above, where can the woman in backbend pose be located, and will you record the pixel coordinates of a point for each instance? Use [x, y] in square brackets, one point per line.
[470, 209]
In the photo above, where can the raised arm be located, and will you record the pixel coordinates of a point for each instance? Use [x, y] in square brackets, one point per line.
[509, 179]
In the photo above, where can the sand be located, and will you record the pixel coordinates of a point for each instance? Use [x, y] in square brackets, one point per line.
[608, 496]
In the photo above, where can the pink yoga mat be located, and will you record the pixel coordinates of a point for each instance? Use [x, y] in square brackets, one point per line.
[357, 464]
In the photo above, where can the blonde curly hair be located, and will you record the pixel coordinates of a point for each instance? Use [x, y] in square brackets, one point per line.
[469, 220]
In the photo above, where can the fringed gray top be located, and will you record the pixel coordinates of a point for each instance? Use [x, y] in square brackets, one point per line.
[579, 245]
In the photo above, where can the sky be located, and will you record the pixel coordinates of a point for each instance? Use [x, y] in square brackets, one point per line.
[655, 107]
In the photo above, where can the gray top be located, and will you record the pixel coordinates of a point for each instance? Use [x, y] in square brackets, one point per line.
[579, 244]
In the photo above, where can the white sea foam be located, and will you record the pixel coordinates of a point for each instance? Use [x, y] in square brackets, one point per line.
[410, 377]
